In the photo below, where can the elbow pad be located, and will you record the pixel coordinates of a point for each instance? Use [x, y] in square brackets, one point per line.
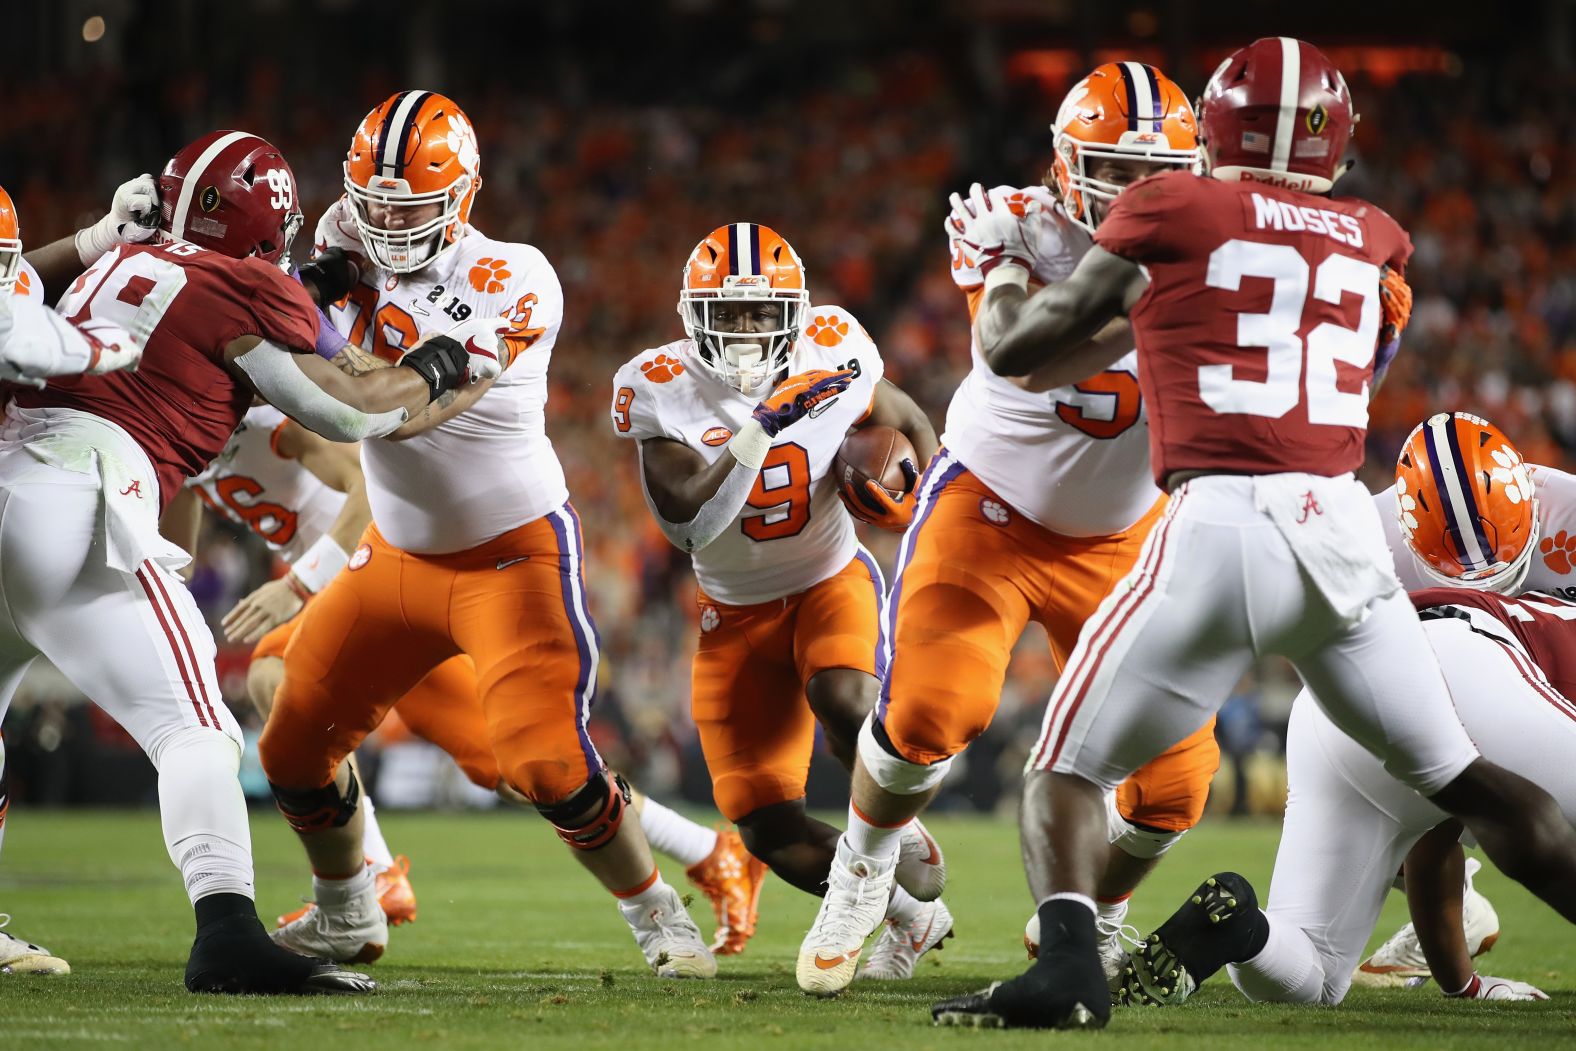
[276, 375]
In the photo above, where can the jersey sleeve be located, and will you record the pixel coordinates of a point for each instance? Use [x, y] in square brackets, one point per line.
[637, 409]
[281, 309]
[1142, 223]
[533, 300]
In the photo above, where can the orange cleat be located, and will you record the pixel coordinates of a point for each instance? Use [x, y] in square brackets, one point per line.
[732, 879]
[398, 897]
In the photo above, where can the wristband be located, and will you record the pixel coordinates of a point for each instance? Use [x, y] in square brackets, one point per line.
[319, 564]
[93, 241]
[1008, 272]
[329, 339]
[751, 445]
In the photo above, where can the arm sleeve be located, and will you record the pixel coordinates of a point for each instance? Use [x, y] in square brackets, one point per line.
[1141, 225]
[277, 376]
[41, 343]
[714, 516]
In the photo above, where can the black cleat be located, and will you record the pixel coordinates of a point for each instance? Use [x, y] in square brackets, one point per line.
[1065, 988]
[1220, 924]
[235, 955]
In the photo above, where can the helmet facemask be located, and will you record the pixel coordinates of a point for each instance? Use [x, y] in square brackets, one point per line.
[1502, 578]
[407, 250]
[10, 263]
[749, 362]
[1079, 190]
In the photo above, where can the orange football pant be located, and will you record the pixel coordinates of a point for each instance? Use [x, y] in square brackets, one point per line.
[384, 626]
[751, 667]
[972, 572]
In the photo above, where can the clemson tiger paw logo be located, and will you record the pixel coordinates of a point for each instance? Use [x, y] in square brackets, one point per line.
[1018, 203]
[661, 368]
[827, 331]
[488, 275]
[1559, 551]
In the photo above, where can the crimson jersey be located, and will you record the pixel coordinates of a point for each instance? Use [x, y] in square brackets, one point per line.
[185, 305]
[1541, 626]
[1256, 336]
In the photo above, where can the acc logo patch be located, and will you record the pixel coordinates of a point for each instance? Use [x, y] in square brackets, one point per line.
[709, 618]
[1318, 119]
[208, 200]
[716, 436]
[359, 557]
[995, 513]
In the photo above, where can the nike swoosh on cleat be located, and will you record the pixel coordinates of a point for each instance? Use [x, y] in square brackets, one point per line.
[918, 944]
[505, 563]
[826, 964]
[935, 851]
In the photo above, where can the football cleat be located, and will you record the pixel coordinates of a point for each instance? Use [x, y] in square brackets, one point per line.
[1117, 940]
[921, 868]
[1063, 989]
[671, 942]
[858, 891]
[1401, 957]
[395, 895]
[732, 880]
[355, 931]
[23, 957]
[233, 955]
[1214, 927]
[900, 945]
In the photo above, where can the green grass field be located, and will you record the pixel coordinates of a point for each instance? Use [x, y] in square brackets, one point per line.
[515, 946]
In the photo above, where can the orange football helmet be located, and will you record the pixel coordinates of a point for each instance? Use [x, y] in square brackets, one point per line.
[10, 244]
[744, 262]
[1467, 504]
[1122, 111]
[416, 150]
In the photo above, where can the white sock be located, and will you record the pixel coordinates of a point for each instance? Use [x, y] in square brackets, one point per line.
[638, 903]
[203, 813]
[1112, 912]
[372, 842]
[1287, 970]
[336, 893]
[904, 907]
[872, 841]
[675, 835]
[1067, 895]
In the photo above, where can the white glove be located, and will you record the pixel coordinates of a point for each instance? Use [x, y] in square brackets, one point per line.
[488, 353]
[1487, 987]
[992, 230]
[133, 218]
[115, 348]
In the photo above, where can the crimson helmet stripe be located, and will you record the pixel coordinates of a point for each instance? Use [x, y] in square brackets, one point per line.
[1290, 93]
[396, 132]
[1455, 488]
[1143, 95]
[197, 174]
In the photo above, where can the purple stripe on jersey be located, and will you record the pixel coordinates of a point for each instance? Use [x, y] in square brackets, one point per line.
[879, 583]
[569, 554]
[944, 468]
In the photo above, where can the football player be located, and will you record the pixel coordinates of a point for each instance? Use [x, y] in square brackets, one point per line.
[1038, 503]
[88, 462]
[1246, 288]
[738, 425]
[473, 549]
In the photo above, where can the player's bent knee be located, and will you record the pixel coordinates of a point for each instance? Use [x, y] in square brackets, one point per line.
[262, 679]
[890, 770]
[1135, 839]
[590, 818]
[319, 809]
[768, 829]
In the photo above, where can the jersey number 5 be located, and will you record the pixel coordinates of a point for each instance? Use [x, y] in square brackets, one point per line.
[1328, 343]
[781, 495]
[1104, 405]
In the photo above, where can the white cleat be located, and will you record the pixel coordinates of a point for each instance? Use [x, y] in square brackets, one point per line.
[921, 868]
[900, 946]
[858, 892]
[668, 938]
[351, 931]
[23, 957]
[1401, 958]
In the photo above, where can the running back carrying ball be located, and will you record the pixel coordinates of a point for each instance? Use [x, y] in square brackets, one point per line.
[879, 455]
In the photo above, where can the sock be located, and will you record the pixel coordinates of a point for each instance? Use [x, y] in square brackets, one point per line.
[676, 836]
[642, 893]
[870, 839]
[1288, 969]
[203, 813]
[336, 893]
[904, 907]
[213, 907]
[1112, 912]
[372, 842]
[1065, 919]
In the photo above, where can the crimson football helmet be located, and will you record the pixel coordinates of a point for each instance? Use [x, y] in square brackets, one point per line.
[233, 193]
[1279, 112]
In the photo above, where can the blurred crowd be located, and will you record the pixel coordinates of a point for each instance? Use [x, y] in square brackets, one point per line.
[853, 167]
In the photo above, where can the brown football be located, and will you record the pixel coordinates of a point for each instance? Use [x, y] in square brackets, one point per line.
[877, 453]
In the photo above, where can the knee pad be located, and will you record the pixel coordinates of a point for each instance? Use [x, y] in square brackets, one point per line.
[1136, 841]
[316, 809]
[590, 818]
[890, 770]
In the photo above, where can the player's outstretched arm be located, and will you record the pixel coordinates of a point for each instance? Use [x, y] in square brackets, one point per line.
[132, 218]
[892, 407]
[1053, 332]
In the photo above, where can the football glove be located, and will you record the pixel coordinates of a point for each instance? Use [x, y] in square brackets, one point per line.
[133, 218]
[332, 273]
[489, 354]
[1487, 987]
[990, 231]
[874, 505]
[796, 397]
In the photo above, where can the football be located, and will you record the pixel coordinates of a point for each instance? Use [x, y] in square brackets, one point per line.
[873, 453]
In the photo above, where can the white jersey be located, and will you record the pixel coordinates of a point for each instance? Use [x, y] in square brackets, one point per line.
[1074, 459]
[793, 532]
[252, 485]
[28, 283]
[491, 468]
[1553, 566]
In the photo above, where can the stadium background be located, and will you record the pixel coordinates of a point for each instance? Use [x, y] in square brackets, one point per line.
[613, 135]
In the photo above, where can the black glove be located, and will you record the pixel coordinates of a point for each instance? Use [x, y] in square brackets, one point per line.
[331, 276]
[442, 362]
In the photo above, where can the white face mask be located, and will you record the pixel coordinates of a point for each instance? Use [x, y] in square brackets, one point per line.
[10, 263]
[408, 250]
[749, 362]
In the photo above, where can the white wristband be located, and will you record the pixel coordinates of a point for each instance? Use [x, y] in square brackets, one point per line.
[751, 445]
[93, 241]
[319, 564]
[1008, 274]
